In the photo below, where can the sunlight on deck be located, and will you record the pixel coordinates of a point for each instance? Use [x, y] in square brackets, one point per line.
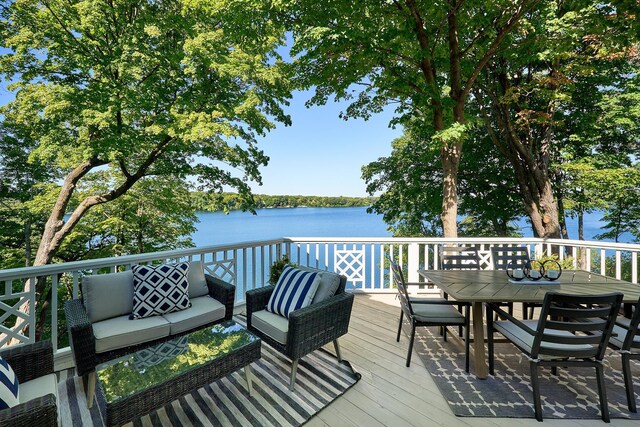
[390, 394]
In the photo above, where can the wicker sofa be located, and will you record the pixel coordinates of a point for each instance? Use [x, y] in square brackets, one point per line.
[306, 329]
[33, 366]
[99, 326]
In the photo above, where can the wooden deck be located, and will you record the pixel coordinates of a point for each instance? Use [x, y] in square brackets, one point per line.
[390, 394]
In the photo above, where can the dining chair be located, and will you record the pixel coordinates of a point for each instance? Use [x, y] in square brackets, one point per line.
[459, 258]
[463, 258]
[428, 312]
[626, 339]
[505, 256]
[572, 331]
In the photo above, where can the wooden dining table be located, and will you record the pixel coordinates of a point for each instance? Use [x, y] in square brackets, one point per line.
[483, 286]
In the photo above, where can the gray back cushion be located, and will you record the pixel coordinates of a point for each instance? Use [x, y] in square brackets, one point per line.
[197, 283]
[329, 283]
[108, 295]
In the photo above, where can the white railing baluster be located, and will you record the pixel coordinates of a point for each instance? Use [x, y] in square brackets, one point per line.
[362, 258]
[413, 262]
[54, 311]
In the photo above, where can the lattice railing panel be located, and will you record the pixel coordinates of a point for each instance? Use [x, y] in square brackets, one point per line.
[351, 263]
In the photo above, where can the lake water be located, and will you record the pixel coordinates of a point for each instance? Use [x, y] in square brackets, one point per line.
[217, 228]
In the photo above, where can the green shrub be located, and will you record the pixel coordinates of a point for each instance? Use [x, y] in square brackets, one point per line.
[277, 267]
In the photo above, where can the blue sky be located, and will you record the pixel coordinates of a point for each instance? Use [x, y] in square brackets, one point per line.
[321, 154]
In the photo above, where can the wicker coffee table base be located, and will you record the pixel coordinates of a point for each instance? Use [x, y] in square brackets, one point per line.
[145, 401]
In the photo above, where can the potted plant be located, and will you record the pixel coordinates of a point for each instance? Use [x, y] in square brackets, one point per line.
[277, 267]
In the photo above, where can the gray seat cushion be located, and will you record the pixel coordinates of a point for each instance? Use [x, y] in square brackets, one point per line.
[271, 324]
[203, 310]
[107, 295]
[121, 332]
[197, 282]
[524, 340]
[438, 314]
[619, 335]
[39, 387]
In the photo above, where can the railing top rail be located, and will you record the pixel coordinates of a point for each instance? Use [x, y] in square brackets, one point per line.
[487, 240]
[49, 269]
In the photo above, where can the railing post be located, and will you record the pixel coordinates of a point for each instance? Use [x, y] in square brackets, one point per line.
[413, 262]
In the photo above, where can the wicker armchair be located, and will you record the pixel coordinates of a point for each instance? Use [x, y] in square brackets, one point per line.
[31, 361]
[83, 341]
[309, 328]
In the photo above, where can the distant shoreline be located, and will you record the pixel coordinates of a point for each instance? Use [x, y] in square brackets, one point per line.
[205, 202]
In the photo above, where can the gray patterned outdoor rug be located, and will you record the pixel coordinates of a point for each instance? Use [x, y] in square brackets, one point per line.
[226, 402]
[572, 394]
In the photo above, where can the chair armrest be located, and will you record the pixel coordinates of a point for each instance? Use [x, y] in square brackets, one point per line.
[81, 338]
[30, 361]
[316, 325]
[257, 299]
[222, 291]
[496, 308]
[41, 411]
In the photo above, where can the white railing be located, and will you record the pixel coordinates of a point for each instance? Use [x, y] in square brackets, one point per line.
[247, 264]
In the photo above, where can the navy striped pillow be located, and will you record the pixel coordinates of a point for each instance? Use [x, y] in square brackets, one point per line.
[9, 396]
[295, 290]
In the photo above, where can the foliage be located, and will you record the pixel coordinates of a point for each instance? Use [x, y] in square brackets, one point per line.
[155, 215]
[112, 92]
[421, 57]
[410, 193]
[276, 268]
[566, 263]
[151, 88]
[226, 202]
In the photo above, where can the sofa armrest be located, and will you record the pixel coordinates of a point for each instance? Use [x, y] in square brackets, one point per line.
[222, 291]
[256, 300]
[30, 361]
[41, 411]
[318, 324]
[81, 338]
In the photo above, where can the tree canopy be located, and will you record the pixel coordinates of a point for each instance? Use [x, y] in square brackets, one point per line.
[137, 89]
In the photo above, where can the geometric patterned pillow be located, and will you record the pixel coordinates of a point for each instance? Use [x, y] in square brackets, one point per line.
[159, 289]
[9, 396]
[295, 290]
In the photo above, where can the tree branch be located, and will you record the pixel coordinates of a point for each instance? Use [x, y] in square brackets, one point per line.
[91, 201]
[502, 33]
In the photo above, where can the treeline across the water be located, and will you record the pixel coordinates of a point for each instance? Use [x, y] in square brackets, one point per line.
[207, 202]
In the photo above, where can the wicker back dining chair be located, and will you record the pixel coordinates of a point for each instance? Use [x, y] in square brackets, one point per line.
[572, 331]
[504, 256]
[425, 312]
[626, 339]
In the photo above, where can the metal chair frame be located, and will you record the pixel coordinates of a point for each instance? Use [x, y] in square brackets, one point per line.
[416, 320]
[573, 330]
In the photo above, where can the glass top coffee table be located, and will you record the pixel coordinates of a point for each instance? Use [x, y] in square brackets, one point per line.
[134, 385]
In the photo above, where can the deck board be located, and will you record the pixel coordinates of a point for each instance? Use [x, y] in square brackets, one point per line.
[391, 394]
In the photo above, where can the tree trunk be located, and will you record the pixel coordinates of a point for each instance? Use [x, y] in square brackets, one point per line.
[27, 241]
[452, 150]
[450, 158]
[583, 251]
[561, 215]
